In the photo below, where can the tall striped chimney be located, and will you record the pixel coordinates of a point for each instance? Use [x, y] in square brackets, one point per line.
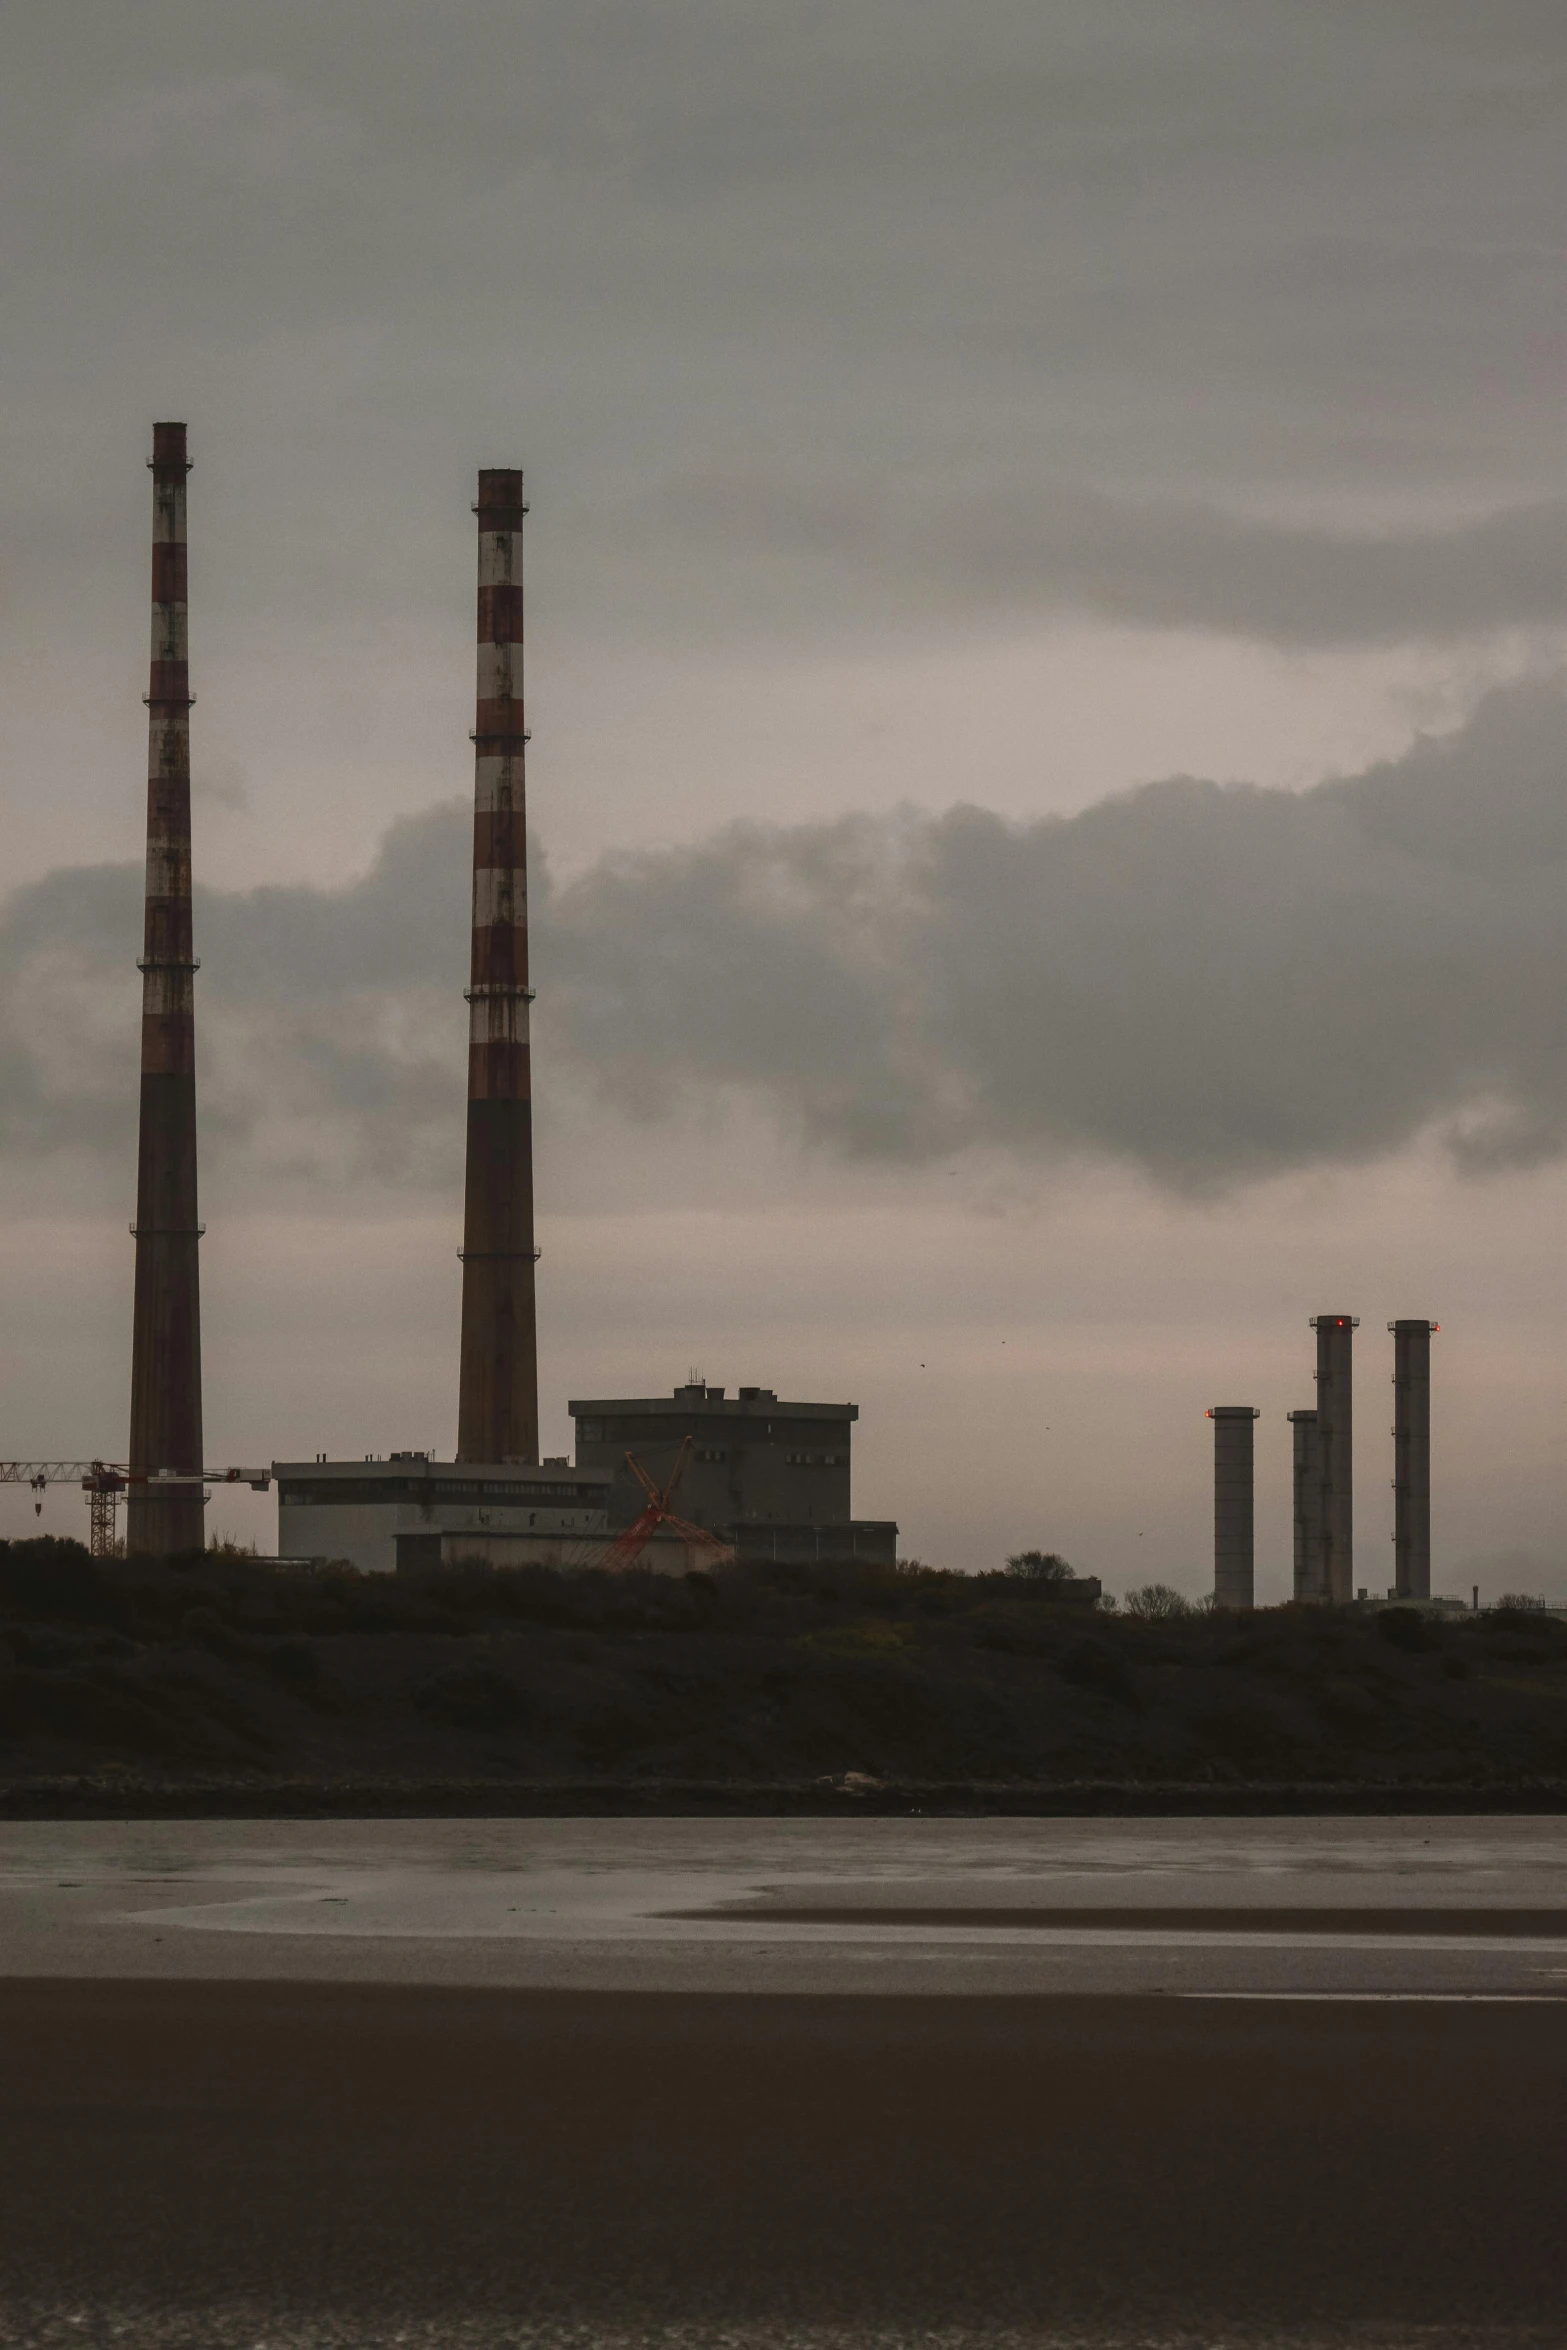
[498, 1396]
[166, 1342]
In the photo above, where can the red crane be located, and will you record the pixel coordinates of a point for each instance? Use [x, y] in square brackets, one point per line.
[631, 1542]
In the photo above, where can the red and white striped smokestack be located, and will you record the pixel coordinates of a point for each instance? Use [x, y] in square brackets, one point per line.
[166, 1345]
[498, 1399]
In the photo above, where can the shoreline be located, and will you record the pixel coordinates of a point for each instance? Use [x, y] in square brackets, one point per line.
[117, 1797]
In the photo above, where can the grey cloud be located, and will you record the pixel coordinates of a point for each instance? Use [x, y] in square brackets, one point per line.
[247, 125]
[1303, 264]
[330, 1027]
[1209, 983]
[1206, 982]
[1151, 563]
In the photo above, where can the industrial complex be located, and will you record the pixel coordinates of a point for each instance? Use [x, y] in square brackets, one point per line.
[673, 1482]
[754, 1477]
[1323, 1483]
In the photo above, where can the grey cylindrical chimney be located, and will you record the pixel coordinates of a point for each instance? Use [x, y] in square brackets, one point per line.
[1234, 1511]
[1336, 1452]
[1309, 1588]
[1412, 1458]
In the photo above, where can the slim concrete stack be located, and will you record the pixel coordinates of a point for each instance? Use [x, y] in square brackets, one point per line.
[1234, 1511]
[498, 1394]
[1307, 1487]
[1336, 1453]
[166, 1434]
[1412, 1458]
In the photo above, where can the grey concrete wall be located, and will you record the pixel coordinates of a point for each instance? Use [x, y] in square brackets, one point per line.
[870, 1542]
[753, 1461]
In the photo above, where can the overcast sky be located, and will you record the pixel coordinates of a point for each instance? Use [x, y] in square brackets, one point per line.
[1047, 625]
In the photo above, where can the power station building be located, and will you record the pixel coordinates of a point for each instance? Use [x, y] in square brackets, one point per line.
[412, 1513]
[768, 1477]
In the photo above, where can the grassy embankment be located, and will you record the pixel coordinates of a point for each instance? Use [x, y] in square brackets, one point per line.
[210, 1674]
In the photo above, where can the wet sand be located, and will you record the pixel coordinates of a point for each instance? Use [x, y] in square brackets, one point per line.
[337, 2161]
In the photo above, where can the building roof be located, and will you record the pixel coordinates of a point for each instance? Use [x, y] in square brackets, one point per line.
[745, 1403]
[400, 1467]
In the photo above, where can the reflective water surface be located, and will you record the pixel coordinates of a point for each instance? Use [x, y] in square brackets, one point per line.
[1402, 1908]
[784, 2085]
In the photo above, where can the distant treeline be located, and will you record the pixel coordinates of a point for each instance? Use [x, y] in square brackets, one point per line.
[219, 1663]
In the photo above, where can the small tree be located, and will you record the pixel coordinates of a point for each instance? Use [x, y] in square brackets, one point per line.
[1039, 1566]
[1155, 1603]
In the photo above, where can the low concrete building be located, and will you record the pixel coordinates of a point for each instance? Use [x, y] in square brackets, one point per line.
[771, 1478]
[411, 1511]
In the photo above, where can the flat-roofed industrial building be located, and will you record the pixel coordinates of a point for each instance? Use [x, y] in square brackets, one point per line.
[416, 1513]
[769, 1477]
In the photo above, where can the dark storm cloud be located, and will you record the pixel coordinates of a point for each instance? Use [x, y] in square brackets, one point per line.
[1191, 265]
[1210, 983]
[1206, 981]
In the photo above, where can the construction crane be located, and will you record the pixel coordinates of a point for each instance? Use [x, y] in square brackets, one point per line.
[103, 1482]
[629, 1545]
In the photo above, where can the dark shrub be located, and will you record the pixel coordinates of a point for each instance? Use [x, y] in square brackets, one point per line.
[471, 1697]
[295, 1663]
[1402, 1628]
[47, 1577]
[1093, 1664]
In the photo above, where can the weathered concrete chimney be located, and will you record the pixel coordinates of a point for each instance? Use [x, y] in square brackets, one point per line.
[166, 1436]
[1335, 1453]
[498, 1398]
[1234, 1509]
[1412, 1458]
[1308, 1588]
